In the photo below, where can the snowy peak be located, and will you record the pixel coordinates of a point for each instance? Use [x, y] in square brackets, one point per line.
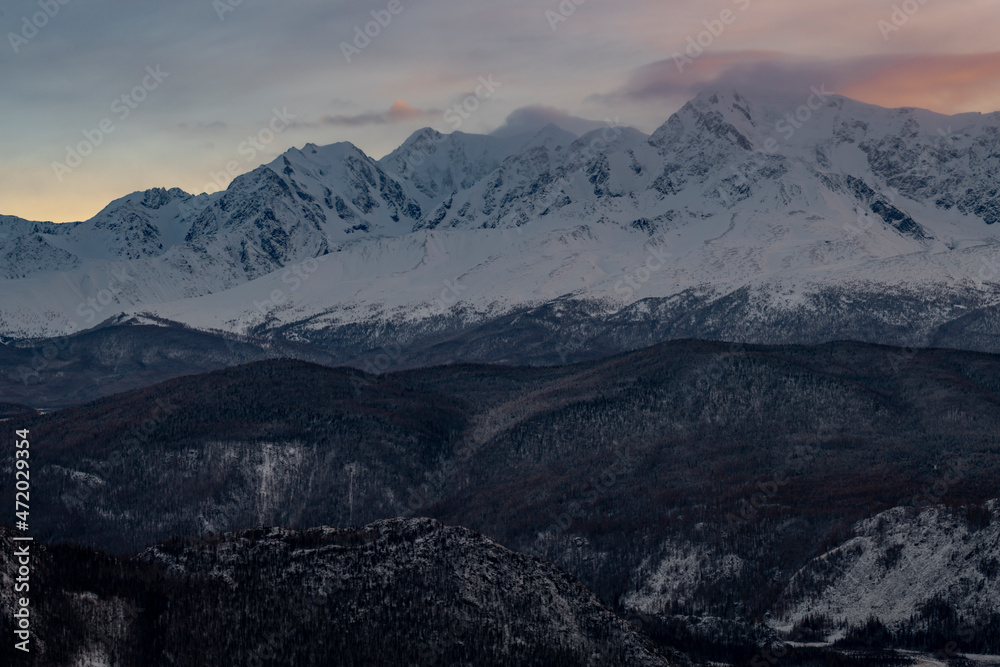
[25, 255]
[437, 165]
[142, 224]
[300, 206]
[153, 199]
[707, 118]
[788, 122]
[551, 137]
[789, 143]
[340, 182]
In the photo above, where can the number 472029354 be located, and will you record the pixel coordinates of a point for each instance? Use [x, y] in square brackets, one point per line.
[23, 483]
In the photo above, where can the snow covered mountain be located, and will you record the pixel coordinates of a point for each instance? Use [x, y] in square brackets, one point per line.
[905, 558]
[768, 219]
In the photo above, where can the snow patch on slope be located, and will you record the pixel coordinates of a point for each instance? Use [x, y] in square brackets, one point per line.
[898, 560]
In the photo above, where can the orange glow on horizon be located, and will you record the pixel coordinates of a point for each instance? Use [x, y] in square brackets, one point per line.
[945, 84]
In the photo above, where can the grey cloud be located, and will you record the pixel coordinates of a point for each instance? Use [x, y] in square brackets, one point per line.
[533, 118]
[763, 71]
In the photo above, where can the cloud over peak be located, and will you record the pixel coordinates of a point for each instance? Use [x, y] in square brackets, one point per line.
[941, 82]
[533, 118]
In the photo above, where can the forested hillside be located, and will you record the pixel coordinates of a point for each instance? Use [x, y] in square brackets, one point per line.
[615, 470]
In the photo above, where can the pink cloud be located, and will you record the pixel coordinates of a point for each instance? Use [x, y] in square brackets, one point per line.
[400, 111]
[947, 83]
[403, 110]
[942, 82]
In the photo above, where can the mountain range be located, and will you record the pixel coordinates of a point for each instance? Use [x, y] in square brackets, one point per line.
[765, 218]
[728, 388]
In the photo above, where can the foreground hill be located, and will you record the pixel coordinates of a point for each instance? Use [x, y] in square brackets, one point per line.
[401, 592]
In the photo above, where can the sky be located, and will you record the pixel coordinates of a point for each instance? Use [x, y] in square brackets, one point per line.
[105, 97]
